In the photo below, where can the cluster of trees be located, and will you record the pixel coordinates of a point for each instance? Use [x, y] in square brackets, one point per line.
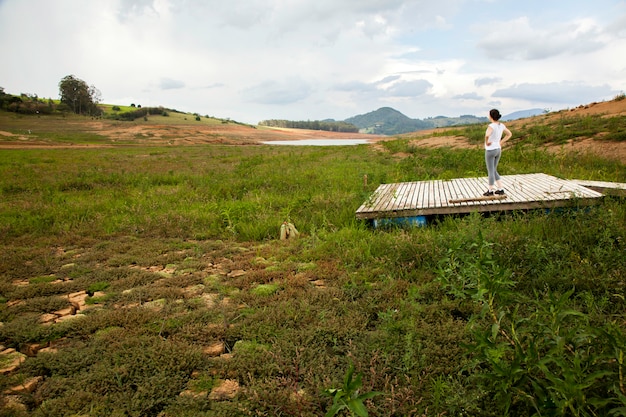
[140, 112]
[326, 125]
[76, 97]
[25, 103]
[79, 97]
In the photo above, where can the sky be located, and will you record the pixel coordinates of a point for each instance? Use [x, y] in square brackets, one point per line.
[253, 60]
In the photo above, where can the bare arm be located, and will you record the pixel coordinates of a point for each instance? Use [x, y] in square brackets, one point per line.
[507, 135]
[487, 135]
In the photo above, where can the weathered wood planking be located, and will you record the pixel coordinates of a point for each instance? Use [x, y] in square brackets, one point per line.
[605, 187]
[422, 198]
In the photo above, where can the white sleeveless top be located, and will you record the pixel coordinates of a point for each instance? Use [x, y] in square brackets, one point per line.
[496, 135]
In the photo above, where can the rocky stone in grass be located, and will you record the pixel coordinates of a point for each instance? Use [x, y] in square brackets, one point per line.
[194, 290]
[47, 318]
[69, 317]
[27, 386]
[209, 299]
[68, 311]
[226, 390]
[236, 273]
[31, 349]
[214, 349]
[49, 349]
[155, 305]
[10, 360]
[193, 394]
[77, 299]
[53, 346]
[13, 303]
[319, 283]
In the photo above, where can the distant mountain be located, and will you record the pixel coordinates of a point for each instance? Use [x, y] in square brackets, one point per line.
[523, 114]
[466, 119]
[388, 121]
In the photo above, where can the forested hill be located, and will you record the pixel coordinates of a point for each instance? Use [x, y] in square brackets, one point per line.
[327, 125]
[388, 121]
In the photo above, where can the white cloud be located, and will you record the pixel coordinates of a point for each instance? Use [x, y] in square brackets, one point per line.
[413, 88]
[305, 59]
[468, 96]
[518, 39]
[288, 91]
[556, 92]
[169, 84]
[479, 82]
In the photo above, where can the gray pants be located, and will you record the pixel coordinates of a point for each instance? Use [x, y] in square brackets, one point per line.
[492, 157]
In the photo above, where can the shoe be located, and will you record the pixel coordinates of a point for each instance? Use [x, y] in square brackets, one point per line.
[489, 193]
[500, 192]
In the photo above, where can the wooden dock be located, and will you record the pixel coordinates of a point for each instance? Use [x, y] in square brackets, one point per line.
[465, 195]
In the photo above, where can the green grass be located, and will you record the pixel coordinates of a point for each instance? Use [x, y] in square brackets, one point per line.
[516, 314]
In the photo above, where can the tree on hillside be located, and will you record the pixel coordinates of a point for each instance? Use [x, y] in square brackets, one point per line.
[78, 96]
[3, 97]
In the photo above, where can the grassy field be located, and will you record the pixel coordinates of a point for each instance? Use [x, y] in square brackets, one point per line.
[178, 250]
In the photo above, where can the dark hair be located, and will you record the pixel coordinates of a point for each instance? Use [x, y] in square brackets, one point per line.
[495, 114]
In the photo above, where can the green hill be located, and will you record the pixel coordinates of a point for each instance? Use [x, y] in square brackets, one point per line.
[388, 121]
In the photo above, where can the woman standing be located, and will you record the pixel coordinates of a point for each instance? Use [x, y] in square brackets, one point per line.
[493, 151]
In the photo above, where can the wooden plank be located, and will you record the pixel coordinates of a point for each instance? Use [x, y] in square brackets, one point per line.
[378, 201]
[406, 195]
[416, 194]
[436, 200]
[403, 196]
[514, 189]
[466, 191]
[609, 188]
[470, 186]
[483, 198]
[375, 200]
[457, 185]
[387, 202]
[445, 194]
[397, 195]
[408, 203]
[424, 196]
[448, 192]
[601, 184]
[431, 194]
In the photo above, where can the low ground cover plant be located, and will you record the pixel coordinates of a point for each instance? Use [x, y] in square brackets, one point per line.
[176, 250]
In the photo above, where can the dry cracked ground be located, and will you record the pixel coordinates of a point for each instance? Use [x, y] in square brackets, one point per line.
[200, 275]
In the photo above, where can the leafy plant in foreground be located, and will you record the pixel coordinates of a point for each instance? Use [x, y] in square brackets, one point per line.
[348, 397]
[539, 357]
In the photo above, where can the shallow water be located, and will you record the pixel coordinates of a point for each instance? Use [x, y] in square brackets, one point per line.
[318, 142]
